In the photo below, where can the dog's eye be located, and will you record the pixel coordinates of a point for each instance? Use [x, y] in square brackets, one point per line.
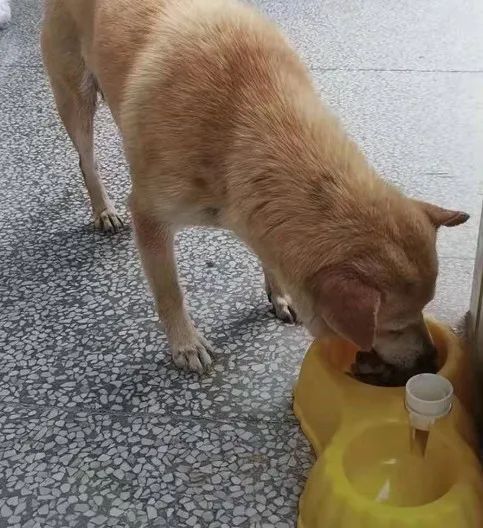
[394, 333]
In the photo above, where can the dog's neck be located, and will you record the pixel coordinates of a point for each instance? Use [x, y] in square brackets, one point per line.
[302, 174]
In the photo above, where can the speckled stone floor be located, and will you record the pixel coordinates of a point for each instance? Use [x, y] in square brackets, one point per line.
[97, 428]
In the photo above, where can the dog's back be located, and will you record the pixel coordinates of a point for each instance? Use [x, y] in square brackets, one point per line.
[198, 77]
[107, 35]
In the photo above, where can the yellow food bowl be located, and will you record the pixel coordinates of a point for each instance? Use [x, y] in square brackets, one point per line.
[367, 473]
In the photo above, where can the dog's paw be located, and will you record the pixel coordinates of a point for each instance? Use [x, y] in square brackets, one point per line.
[282, 309]
[108, 221]
[193, 355]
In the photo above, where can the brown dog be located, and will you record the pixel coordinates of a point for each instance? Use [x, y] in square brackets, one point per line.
[222, 127]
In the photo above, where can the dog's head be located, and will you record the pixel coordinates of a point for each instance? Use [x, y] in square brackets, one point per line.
[384, 275]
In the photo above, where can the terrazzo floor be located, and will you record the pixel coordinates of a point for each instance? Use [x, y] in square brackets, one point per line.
[97, 428]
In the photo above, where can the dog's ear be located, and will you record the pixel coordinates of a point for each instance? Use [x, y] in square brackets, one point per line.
[443, 217]
[348, 305]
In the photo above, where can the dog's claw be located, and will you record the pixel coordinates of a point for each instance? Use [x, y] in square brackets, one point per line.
[282, 309]
[194, 356]
[108, 221]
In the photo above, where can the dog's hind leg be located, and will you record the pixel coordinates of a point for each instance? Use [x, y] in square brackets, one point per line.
[280, 301]
[75, 93]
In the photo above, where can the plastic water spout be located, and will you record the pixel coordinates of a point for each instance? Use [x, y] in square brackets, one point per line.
[429, 397]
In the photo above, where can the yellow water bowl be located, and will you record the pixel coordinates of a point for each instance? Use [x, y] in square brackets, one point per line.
[368, 473]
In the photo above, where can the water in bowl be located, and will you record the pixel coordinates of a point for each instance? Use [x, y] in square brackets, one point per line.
[382, 464]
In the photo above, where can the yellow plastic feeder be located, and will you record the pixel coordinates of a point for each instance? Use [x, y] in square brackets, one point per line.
[368, 473]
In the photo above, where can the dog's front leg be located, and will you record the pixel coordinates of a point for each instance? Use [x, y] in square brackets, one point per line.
[156, 246]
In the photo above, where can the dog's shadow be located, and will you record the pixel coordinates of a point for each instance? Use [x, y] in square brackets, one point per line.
[51, 256]
[62, 262]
